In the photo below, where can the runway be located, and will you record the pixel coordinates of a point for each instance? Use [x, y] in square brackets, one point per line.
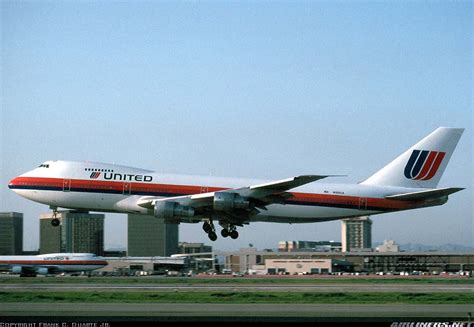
[145, 311]
[82, 311]
[327, 288]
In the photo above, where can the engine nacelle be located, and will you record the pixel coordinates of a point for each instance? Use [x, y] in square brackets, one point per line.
[169, 210]
[42, 271]
[17, 269]
[224, 201]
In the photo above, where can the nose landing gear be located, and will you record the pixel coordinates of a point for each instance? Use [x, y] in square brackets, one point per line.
[55, 221]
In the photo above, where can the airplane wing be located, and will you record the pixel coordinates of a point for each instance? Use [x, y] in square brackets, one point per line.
[231, 204]
[425, 195]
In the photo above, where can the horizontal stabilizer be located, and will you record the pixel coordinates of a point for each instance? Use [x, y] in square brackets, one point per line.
[425, 195]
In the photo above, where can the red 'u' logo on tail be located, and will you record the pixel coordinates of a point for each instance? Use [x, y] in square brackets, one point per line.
[423, 164]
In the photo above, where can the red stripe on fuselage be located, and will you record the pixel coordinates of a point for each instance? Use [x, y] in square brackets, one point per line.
[176, 190]
[98, 185]
[353, 201]
[54, 262]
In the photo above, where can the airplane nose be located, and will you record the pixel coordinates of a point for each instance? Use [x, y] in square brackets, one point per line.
[13, 183]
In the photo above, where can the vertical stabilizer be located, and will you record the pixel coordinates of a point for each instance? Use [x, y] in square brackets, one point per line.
[423, 164]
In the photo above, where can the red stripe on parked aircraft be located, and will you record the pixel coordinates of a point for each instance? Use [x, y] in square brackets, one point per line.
[53, 262]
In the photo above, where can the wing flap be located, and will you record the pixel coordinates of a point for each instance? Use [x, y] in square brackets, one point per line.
[425, 195]
[195, 200]
[289, 183]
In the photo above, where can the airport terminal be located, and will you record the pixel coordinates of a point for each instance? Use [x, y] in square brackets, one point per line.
[154, 249]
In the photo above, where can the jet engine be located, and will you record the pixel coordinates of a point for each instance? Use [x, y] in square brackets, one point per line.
[24, 272]
[42, 271]
[225, 201]
[17, 269]
[168, 210]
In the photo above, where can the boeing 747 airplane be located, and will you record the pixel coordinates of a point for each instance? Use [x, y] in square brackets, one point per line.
[408, 182]
[54, 263]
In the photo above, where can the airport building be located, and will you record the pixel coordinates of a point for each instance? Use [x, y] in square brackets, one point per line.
[176, 265]
[149, 236]
[11, 233]
[242, 261]
[78, 232]
[141, 266]
[388, 246]
[193, 248]
[286, 246]
[249, 260]
[305, 266]
[420, 262]
[356, 234]
[318, 246]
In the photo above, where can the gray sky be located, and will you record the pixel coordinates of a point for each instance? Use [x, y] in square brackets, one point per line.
[265, 90]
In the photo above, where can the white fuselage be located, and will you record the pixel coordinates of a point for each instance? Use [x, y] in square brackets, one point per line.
[113, 188]
[57, 262]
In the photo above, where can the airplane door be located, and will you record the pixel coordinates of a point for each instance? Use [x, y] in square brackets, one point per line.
[362, 203]
[66, 185]
[127, 188]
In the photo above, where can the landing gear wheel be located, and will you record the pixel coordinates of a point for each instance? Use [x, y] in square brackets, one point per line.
[234, 234]
[224, 232]
[55, 222]
[212, 236]
[207, 227]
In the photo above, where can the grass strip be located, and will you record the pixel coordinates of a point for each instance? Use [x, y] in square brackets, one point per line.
[232, 280]
[237, 297]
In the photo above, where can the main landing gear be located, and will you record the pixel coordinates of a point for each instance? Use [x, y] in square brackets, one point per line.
[231, 231]
[210, 230]
[228, 230]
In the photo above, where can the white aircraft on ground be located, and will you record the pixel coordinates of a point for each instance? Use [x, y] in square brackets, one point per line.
[408, 182]
[44, 264]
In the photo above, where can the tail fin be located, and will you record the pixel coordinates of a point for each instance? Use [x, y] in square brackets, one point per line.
[423, 164]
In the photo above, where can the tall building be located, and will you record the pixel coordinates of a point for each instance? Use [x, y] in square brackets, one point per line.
[149, 236]
[78, 232]
[11, 233]
[356, 234]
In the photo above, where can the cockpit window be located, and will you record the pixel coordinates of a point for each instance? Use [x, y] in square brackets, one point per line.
[43, 166]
